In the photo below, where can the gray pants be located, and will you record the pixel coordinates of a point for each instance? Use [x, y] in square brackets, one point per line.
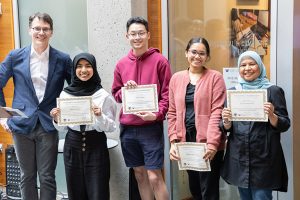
[37, 153]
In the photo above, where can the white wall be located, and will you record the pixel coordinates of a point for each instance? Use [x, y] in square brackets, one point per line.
[106, 40]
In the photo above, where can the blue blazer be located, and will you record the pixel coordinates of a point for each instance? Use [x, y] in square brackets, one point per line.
[17, 65]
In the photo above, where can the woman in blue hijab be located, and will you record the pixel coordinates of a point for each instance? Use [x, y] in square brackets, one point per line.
[260, 80]
[254, 159]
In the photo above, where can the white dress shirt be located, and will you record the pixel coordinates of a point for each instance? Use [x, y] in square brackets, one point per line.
[39, 64]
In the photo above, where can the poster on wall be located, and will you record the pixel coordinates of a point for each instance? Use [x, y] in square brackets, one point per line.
[250, 31]
[230, 75]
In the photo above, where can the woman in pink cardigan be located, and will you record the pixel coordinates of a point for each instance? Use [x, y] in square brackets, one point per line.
[196, 98]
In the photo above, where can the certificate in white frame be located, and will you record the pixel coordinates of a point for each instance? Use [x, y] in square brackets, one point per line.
[75, 111]
[191, 156]
[247, 105]
[143, 98]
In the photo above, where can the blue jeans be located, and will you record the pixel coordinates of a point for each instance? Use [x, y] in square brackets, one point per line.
[255, 194]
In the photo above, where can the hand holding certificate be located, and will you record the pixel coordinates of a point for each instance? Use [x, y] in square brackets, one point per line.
[247, 105]
[6, 112]
[191, 156]
[142, 98]
[75, 111]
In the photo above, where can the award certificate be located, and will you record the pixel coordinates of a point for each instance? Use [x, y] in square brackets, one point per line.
[75, 111]
[191, 156]
[247, 105]
[140, 99]
[7, 112]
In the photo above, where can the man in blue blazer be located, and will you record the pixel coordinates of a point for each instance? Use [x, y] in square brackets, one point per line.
[38, 73]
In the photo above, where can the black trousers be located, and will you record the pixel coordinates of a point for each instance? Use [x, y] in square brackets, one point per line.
[205, 185]
[87, 165]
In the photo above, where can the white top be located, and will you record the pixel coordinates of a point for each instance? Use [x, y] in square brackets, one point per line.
[39, 64]
[105, 122]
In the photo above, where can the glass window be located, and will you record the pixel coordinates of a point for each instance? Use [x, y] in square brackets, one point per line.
[69, 23]
[229, 26]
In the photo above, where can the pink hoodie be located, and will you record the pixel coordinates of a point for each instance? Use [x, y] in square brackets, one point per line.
[149, 68]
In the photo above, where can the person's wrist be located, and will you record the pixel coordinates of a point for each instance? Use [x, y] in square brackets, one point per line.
[273, 116]
[226, 122]
[174, 141]
[154, 117]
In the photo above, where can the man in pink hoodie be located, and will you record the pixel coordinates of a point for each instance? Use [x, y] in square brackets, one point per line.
[141, 134]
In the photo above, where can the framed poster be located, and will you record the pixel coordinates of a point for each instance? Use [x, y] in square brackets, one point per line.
[250, 31]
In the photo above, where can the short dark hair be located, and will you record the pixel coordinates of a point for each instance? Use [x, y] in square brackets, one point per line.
[41, 16]
[199, 40]
[137, 20]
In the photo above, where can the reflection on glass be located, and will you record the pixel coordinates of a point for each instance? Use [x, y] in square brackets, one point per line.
[193, 18]
[69, 23]
[213, 21]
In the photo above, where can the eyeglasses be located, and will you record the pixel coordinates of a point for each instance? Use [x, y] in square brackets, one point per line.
[135, 34]
[200, 54]
[38, 29]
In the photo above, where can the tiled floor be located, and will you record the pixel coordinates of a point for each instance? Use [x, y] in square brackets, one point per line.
[3, 196]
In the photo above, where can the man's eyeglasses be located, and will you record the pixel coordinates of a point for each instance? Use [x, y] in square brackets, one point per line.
[200, 54]
[38, 29]
[135, 34]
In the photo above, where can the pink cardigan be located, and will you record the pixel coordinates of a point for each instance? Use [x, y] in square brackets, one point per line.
[209, 97]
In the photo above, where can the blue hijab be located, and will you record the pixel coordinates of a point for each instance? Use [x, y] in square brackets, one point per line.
[261, 82]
